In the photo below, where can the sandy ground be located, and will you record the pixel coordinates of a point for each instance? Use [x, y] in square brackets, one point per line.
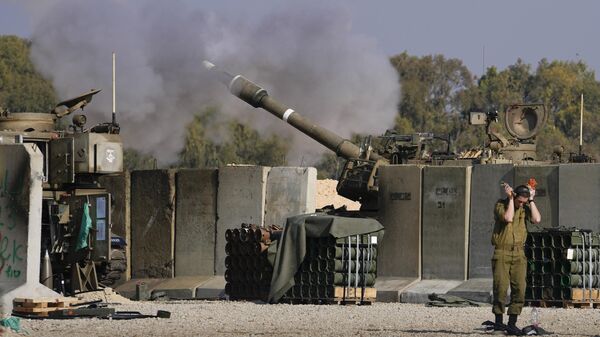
[224, 318]
[327, 195]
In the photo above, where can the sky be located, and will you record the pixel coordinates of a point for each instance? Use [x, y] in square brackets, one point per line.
[481, 33]
[327, 59]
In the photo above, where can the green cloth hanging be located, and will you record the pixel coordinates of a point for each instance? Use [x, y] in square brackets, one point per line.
[84, 230]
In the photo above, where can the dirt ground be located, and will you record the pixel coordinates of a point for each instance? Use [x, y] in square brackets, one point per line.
[225, 318]
[327, 195]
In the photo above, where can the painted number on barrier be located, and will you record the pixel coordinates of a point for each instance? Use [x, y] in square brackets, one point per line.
[400, 196]
[446, 191]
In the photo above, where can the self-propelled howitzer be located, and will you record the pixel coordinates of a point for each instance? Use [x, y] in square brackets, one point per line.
[358, 180]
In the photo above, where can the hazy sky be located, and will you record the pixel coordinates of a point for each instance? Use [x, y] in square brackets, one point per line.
[505, 30]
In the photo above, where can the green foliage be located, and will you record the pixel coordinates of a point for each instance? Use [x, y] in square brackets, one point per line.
[432, 94]
[136, 160]
[22, 88]
[247, 146]
[241, 144]
[198, 150]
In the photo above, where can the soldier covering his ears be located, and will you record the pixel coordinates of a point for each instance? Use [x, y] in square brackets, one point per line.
[509, 264]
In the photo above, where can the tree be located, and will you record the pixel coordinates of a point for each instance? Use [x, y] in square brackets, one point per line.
[247, 146]
[22, 88]
[136, 160]
[198, 150]
[241, 144]
[431, 96]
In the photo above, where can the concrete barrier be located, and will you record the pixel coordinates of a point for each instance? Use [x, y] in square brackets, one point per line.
[485, 192]
[400, 200]
[579, 199]
[195, 222]
[446, 196]
[152, 223]
[399, 261]
[241, 199]
[290, 191]
[20, 223]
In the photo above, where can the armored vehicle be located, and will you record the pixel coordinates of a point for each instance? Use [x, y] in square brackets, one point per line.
[77, 252]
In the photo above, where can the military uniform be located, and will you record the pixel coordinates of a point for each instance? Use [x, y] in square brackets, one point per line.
[509, 264]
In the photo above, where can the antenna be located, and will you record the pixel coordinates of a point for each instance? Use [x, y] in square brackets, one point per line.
[483, 61]
[581, 125]
[114, 96]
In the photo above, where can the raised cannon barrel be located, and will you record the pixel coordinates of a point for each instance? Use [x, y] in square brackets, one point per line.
[259, 98]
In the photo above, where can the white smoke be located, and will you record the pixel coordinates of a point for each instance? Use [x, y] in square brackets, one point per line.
[305, 56]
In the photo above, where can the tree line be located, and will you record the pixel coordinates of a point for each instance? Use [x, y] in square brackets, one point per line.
[436, 95]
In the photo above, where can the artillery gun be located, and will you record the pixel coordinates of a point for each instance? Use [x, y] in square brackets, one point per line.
[74, 160]
[358, 178]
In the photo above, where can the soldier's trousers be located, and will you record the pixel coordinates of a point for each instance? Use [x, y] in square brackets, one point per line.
[509, 268]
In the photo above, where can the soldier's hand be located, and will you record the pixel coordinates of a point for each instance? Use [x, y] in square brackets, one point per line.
[508, 190]
[531, 193]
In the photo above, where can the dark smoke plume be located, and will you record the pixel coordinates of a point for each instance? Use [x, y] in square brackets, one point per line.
[305, 56]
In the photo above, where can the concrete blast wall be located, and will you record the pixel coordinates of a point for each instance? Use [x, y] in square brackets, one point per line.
[485, 192]
[241, 199]
[20, 223]
[152, 224]
[290, 191]
[195, 222]
[579, 198]
[446, 196]
[400, 203]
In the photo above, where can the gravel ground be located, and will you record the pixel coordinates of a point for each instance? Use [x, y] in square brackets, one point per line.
[224, 318]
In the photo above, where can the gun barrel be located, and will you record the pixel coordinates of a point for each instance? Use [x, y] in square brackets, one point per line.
[258, 97]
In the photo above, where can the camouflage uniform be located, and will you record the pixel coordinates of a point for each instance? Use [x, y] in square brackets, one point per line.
[509, 264]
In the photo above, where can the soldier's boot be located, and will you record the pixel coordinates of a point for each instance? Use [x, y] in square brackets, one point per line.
[511, 328]
[499, 326]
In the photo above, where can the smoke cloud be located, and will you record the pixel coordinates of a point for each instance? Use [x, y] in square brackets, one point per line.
[305, 56]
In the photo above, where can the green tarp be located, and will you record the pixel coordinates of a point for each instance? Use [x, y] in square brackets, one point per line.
[291, 248]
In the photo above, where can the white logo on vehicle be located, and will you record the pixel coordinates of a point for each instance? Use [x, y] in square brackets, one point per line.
[110, 155]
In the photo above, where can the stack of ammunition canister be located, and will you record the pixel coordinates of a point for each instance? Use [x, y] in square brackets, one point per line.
[335, 269]
[248, 271]
[563, 265]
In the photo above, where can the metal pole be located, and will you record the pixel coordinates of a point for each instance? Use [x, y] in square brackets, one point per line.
[114, 96]
[581, 125]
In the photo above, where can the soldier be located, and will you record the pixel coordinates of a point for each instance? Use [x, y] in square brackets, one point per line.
[509, 264]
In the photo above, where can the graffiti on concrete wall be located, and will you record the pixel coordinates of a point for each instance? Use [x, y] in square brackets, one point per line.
[13, 223]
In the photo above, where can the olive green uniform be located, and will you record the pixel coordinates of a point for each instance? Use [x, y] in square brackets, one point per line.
[509, 264]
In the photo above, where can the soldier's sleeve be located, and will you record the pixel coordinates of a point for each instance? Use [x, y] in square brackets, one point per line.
[499, 211]
[527, 214]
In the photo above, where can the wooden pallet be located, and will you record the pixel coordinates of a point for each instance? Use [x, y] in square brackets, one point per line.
[41, 306]
[352, 297]
[578, 294]
[565, 304]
